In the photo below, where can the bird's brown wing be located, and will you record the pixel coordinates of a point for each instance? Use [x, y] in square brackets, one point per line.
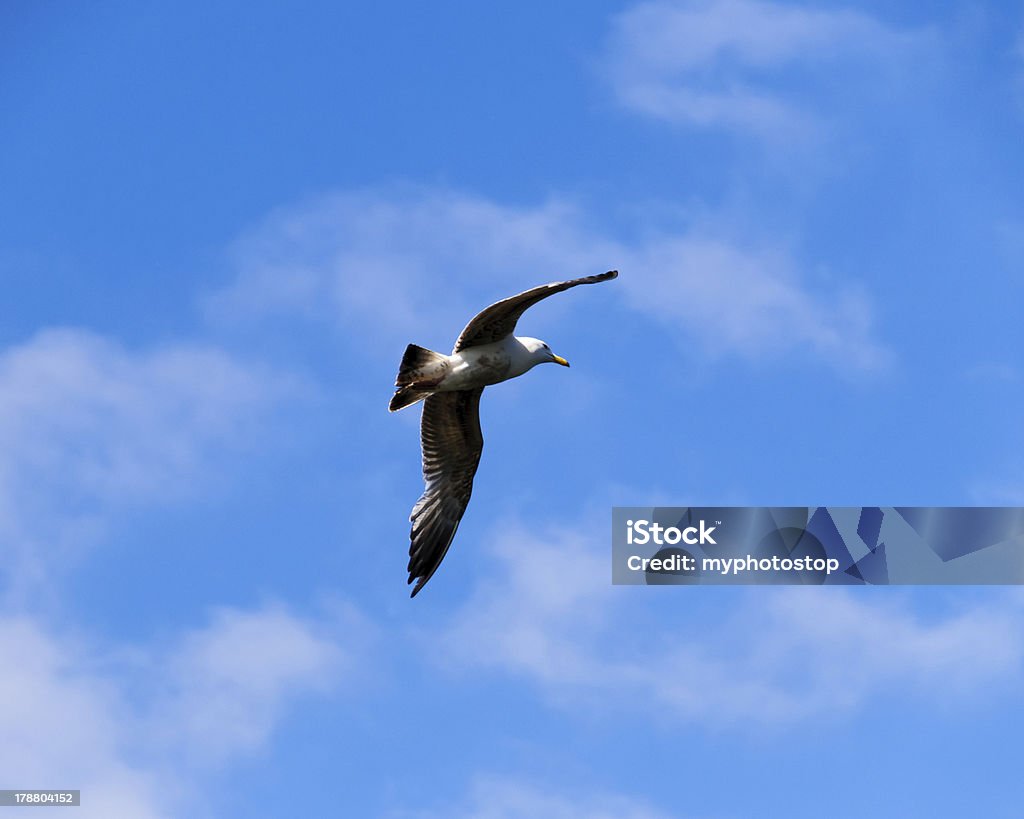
[452, 443]
[499, 320]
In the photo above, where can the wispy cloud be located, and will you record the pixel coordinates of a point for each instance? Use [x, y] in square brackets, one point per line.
[222, 689]
[728, 63]
[130, 726]
[995, 493]
[62, 726]
[389, 262]
[993, 372]
[387, 267]
[86, 425]
[782, 656]
[752, 301]
[504, 797]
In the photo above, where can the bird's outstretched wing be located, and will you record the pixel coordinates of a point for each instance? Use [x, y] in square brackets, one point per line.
[452, 443]
[499, 320]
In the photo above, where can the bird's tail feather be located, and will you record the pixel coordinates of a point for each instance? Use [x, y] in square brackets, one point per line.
[405, 396]
[419, 374]
[417, 363]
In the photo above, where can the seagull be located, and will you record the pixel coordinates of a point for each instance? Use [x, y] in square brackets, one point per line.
[450, 386]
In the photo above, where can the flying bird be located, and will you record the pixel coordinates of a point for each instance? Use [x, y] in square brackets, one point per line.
[450, 386]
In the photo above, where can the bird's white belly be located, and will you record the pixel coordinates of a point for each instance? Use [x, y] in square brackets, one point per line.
[477, 367]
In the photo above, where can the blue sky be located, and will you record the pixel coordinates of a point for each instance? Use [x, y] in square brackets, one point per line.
[220, 224]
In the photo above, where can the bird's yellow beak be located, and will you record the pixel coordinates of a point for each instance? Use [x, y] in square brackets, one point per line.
[559, 360]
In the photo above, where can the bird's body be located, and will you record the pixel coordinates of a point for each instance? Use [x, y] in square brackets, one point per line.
[486, 353]
[489, 364]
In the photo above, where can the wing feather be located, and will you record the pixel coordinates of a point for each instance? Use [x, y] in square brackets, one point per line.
[499, 320]
[452, 443]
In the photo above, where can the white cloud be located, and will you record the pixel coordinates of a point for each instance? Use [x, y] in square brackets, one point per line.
[130, 735]
[993, 372]
[782, 656]
[89, 427]
[750, 301]
[376, 263]
[225, 686]
[62, 726]
[502, 797]
[86, 424]
[725, 62]
[995, 493]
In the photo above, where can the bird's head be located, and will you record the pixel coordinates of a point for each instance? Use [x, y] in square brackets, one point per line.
[540, 352]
